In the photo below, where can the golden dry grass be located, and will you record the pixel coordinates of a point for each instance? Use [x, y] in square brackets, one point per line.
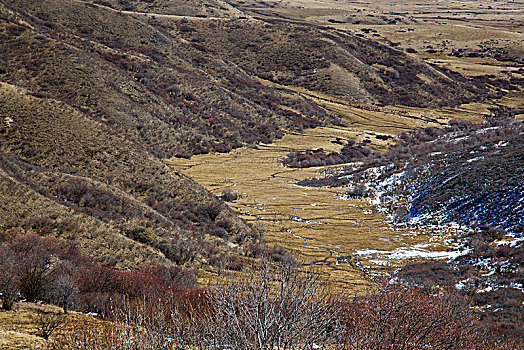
[294, 214]
[269, 192]
[19, 327]
[314, 223]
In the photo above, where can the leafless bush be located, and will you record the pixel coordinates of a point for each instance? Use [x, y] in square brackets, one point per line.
[357, 191]
[64, 292]
[265, 307]
[229, 195]
[398, 317]
[33, 274]
[48, 323]
[8, 278]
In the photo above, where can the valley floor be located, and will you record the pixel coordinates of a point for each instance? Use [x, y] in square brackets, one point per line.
[349, 239]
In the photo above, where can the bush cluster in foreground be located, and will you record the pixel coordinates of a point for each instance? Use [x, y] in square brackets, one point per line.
[289, 308]
[34, 268]
[266, 306]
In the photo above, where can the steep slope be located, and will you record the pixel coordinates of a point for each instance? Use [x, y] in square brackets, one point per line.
[482, 185]
[66, 175]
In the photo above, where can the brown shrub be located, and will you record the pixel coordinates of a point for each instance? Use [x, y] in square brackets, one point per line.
[399, 317]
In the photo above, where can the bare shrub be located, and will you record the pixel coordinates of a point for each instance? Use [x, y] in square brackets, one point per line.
[34, 271]
[229, 195]
[64, 292]
[265, 307]
[175, 277]
[48, 323]
[399, 317]
[357, 191]
[8, 278]
[285, 308]
[401, 214]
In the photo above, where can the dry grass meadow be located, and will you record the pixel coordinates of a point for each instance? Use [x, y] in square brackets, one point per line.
[315, 223]
[20, 328]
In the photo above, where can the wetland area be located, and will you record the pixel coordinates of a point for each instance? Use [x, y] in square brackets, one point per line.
[351, 239]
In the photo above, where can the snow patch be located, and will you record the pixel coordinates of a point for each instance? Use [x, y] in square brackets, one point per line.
[417, 251]
[475, 159]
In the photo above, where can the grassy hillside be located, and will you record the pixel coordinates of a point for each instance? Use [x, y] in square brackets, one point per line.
[329, 61]
[123, 71]
[67, 175]
[94, 95]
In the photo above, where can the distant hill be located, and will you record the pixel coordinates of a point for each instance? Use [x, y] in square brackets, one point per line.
[329, 61]
[192, 8]
[141, 81]
[183, 87]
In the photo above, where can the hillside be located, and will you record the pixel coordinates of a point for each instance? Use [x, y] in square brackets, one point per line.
[124, 72]
[94, 95]
[69, 176]
[331, 62]
[466, 175]
[482, 186]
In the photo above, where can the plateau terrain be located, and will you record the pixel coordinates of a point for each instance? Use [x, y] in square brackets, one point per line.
[169, 167]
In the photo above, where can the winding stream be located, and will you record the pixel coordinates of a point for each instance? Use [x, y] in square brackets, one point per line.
[346, 238]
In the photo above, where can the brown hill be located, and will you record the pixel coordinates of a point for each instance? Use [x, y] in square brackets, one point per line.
[66, 175]
[125, 72]
[93, 95]
[330, 61]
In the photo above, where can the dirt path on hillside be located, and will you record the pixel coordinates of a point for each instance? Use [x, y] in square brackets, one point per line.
[234, 14]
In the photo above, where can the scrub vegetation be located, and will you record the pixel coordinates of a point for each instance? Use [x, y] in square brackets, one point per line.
[150, 153]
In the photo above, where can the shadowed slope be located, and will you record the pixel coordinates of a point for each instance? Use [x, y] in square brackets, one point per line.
[58, 165]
